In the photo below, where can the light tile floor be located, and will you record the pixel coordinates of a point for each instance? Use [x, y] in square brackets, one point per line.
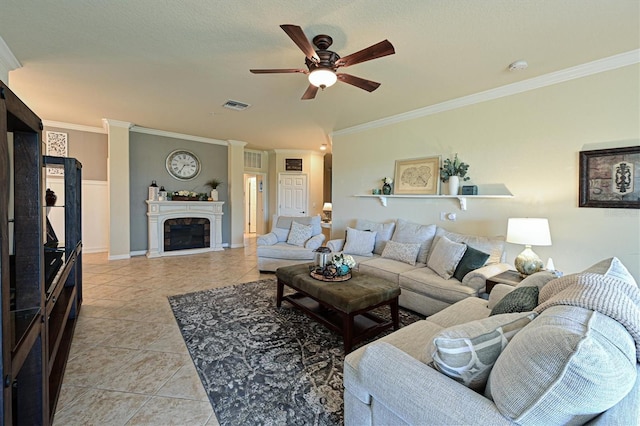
[128, 363]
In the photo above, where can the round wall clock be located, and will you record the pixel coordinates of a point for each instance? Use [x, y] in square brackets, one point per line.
[183, 165]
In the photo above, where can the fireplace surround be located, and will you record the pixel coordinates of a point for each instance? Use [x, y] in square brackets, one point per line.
[162, 215]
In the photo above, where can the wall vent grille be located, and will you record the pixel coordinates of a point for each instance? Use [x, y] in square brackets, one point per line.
[252, 159]
[236, 105]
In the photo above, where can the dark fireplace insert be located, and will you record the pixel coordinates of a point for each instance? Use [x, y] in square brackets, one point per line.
[186, 233]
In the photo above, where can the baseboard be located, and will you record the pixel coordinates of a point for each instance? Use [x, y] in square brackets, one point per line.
[119, 257]
[91, 250]
[138, 253]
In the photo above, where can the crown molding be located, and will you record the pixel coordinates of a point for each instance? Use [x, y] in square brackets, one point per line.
[236, 143]
[173, 135]
[595, 67]
[71, 126]
[109, 122]
[8, 61]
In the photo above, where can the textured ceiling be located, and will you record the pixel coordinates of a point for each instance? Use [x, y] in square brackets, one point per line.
[170, 65]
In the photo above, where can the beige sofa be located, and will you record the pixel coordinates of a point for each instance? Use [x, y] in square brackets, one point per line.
[573, 363]
[426, 287]
[280, 247]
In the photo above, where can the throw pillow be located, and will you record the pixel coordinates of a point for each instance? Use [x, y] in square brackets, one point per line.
[403, 252]
[565, 367]
[299, 234]
[471, 260]
[521, 299]
[384, 232]
[467, 352]
[445, 257]
[360, 243]
[612, 267]
[408, 232]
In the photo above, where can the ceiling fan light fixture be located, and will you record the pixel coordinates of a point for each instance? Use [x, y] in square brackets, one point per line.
[322, 77]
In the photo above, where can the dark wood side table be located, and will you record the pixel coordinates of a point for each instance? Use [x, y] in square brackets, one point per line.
[512, 278]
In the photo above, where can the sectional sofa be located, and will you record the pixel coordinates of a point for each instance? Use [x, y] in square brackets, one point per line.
[434, 268]
[557, 351]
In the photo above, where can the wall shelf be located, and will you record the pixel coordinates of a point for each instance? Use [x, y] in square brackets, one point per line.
[500, 190]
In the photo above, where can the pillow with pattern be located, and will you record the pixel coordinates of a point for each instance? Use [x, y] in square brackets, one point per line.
[299, 234]
[521, 299]
[467, 352]
[403, 252]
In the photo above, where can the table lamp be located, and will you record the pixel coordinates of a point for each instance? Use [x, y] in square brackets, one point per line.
[326, 209]
[530, 232]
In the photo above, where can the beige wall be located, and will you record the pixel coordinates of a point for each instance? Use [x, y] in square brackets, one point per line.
[90, 148]
[529, 142]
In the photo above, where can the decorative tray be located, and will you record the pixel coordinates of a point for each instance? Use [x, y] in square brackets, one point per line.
[335, 279]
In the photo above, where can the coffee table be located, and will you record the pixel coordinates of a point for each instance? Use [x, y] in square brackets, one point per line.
[343, 307]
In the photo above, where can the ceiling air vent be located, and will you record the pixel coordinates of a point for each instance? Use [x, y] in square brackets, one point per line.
[235, 105]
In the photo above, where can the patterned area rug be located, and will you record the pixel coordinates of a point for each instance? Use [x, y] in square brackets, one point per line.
[260, 364]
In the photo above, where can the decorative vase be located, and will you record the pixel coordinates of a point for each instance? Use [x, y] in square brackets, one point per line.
[386, 189]
[454, 184]
[214, 194]
[50, 198]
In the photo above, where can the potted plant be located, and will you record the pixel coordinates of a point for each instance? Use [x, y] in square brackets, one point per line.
[213, 184]
[452, 172]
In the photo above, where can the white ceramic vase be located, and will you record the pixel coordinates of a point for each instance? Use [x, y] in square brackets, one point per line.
[454, 185]
[214, 194]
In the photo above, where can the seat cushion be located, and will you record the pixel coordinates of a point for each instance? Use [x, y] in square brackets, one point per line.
[426, 282]
[566, 367]
[386, 268]
[285, 251]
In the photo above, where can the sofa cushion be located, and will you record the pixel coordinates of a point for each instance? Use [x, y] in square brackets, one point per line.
[492, 245]
[408, 232]
[467, 352]
[385, 268]
[522, 299]
[539, 279]
[565, 367]
[298, 234]
[384, 231]
[285, 251]
[426, 282]
[314, 242]
[471, 260]
[445, 257]
[403, 252]
[360, 243]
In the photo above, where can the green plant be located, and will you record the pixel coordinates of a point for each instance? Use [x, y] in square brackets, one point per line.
[213, 183]
[453, 168]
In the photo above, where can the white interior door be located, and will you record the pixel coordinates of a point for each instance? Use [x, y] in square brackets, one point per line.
[292, 195]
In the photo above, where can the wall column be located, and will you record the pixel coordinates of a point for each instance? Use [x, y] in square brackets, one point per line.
[8, 62]
[118, 183]
[236, 192]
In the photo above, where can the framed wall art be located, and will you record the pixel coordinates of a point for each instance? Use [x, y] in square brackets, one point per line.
[418, 176]
[610, 178]
[56, 146]
[293, 164]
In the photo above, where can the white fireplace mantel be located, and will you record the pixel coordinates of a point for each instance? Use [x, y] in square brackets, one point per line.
[159, 211]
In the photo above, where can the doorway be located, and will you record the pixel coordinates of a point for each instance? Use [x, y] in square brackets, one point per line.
[254, 209]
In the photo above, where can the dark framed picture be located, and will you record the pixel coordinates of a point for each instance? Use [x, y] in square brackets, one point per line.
[610, 178]
[293, 164]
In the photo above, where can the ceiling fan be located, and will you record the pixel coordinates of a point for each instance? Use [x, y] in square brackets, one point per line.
[322, 63]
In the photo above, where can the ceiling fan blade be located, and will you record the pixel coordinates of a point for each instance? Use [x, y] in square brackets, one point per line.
[367, 85]
[378, 50]
[310, 93]
[297, 35]
[278, 71]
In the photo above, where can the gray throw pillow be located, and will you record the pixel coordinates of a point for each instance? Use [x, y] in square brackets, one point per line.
[521, 299]
[360, 243]
[445, 257]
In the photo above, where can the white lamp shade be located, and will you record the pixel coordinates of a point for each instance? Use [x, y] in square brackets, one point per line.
[327, 207]
[322, 77]
[529, 231]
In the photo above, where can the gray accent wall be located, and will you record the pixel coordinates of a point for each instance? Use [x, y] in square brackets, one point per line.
[147, 155]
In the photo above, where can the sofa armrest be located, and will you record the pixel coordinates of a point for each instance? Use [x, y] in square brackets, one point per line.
[477, 279]
[418, 394]
[336, 245]
[267, 239]
[314, 242]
